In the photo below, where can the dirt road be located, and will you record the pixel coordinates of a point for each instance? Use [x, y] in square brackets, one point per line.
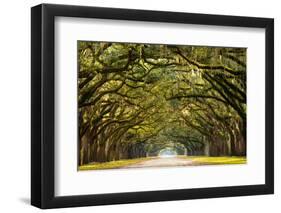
[162, 162]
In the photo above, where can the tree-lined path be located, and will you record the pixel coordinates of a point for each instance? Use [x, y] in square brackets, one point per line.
[137, 100]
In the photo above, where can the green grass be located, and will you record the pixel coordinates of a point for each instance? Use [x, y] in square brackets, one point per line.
[196, 161]
[112, 164]
[203, 160]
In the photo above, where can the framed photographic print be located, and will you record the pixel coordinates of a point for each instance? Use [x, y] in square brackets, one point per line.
[140, 106]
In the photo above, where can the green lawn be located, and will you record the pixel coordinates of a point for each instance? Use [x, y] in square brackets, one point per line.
[112, 164]
[196, 161]
[203, 160]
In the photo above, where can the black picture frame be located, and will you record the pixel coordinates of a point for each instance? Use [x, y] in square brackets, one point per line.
[43, 102]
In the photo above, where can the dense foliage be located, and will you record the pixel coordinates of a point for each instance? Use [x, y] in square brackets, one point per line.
[137, 99]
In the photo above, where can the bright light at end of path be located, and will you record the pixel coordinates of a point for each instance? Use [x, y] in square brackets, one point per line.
[167, 153]
[167, 156]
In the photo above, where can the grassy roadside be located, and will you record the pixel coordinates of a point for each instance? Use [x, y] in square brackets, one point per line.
[112, 164]
[196, 161]
[203, 160]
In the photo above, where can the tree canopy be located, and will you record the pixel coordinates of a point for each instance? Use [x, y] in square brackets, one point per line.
[135, 100]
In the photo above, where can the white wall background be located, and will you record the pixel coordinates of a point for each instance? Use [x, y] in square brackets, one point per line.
[15, 105]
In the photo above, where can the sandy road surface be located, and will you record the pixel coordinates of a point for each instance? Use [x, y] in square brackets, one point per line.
[162, 162]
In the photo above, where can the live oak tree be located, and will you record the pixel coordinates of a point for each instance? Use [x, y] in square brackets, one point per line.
[137, 99]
